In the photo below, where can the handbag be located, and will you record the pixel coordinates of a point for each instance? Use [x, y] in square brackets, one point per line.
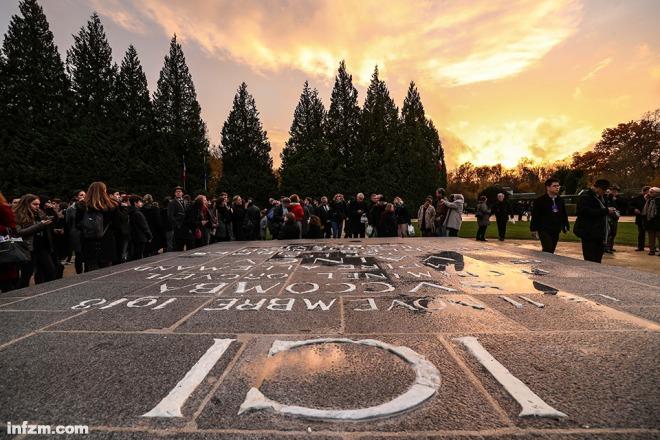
[14, 251]
[364, 219]
[411, 231]
[198, 234]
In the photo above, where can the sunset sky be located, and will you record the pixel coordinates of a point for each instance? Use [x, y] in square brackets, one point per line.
[501, 79]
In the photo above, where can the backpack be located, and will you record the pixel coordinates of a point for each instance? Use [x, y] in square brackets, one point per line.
[92, 225]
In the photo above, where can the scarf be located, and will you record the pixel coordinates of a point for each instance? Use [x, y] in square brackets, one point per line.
[650, 210]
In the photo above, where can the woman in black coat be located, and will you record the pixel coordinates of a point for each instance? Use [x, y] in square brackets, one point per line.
[35, 229]
[99, 223]
[387, 226]
[238, 219]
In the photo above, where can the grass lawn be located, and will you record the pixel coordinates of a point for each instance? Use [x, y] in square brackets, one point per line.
[626, 234]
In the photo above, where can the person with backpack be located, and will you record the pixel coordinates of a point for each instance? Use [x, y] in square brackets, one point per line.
[122, 230]
[98, 220]
[140, 232]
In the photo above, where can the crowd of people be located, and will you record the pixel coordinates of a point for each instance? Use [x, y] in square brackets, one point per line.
[101, 227]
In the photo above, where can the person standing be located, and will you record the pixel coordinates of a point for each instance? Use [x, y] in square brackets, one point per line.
[357, 213]
[637, 205]
[98, 221]
[253, 213]
[483, 218]
[238, 219]
[176, 213]
[619, 205]
[591, 222]
[140, 232]
[502, 211]
[337, 215]
[402, 217]
[73, 232]
[35, 228]
[323, 213]
[651, 213]
[8, 271]
[549, 217]
[454, 217]
[426, 217]
[387, 224]
[440, 212]
[151, 213]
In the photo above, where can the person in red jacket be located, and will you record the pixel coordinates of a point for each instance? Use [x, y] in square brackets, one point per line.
[8, 272]
[296, 209]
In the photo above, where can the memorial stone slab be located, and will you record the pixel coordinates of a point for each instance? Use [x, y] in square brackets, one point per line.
[369, 338]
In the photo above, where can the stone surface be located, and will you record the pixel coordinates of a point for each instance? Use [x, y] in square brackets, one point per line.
[106, 347]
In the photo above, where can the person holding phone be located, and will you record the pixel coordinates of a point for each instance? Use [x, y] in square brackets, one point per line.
[34, 227]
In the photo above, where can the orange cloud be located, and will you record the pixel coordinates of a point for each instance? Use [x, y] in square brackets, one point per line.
[541, 139]
[455, 43]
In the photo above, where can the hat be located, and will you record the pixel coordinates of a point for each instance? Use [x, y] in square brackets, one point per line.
[602, 184]
[178, 188]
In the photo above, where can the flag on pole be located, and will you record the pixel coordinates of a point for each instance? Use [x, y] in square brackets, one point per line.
[184, 174]
[205, 173]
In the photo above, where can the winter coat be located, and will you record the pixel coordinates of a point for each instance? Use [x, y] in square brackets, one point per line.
[152, 214]
[289, 231]
[402, 215]
[483, 214]
[591, 216]
[387, 225]
[140, 232]
[35, 234]
[105, 249]
[337, 211]
[298, 211]
[545, 219]
[651, 214]
[7, 227]
[428, 219]
[72, 231]
[501, 210]
[455, 213]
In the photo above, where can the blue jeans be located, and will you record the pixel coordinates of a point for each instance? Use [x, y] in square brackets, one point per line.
[336, 229]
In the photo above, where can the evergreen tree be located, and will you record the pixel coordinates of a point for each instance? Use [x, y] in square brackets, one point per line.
[245, 150]
[33, 105]
[305, 159]
[182, 132]
[342, 134]
[419, 151]
[137, 134]
[379, 125]
[93, 75]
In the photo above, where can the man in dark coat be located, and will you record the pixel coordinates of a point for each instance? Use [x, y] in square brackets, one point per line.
[254, 214]
[591, 222]
[356, 209]
[323, 213]
[549, 216]
[636, 205]
[614, 200]
[176, 213]
[501, 210]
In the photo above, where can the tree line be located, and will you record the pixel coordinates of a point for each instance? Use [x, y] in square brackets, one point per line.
[627, 155]
[66, 123]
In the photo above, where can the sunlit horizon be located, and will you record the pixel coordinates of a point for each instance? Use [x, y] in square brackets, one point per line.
[501, 80]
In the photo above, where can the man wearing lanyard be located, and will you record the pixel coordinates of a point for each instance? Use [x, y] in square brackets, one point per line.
[549, 216]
